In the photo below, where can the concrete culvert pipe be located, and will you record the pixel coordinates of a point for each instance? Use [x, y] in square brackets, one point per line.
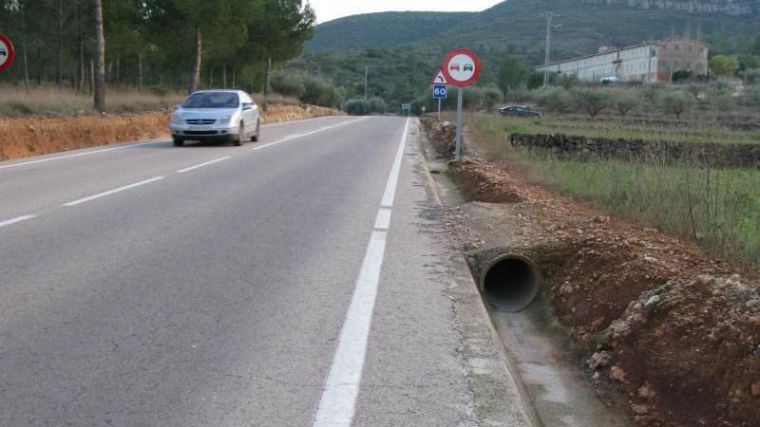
[510, 282]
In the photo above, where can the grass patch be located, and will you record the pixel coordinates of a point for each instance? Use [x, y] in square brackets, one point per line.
[717, 208]
[697, 133]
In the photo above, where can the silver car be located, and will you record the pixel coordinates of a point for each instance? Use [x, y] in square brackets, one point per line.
[216, 115]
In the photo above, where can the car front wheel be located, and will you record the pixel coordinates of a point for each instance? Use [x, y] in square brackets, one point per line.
[255, 137]
[179, 142]
[241, 135]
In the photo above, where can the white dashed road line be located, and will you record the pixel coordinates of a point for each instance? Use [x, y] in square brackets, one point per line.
[192, 168]
[86, 153]
[152, 180]
[16, 220]
[337, 406]
[301, 135]
[114, 191]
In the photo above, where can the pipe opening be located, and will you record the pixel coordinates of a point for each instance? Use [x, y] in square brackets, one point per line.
[511, 282]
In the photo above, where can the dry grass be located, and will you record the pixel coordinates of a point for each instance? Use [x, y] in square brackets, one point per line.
[46, 100]
[51, 100]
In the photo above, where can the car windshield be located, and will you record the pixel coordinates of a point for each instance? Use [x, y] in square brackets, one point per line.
[212, 100]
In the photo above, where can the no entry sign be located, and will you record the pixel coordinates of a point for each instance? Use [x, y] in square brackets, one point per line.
[6, 52]
[461, 67]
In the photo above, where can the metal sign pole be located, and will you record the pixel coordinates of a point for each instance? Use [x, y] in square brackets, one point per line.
[460, 101]
[439, 109]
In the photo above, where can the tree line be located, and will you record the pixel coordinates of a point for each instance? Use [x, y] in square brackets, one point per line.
[153, 43]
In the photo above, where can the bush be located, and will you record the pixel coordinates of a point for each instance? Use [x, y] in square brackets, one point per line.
[483, 98]
[624, 102]
[754, 96]
[553, 99]
[363, 107]
[676, 103]
[593, 101]
[319, 92]
[288, 85]
[308, 90]
[652, 91]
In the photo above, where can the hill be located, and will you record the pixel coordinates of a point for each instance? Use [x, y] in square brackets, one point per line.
[404, 49]
[381, 29]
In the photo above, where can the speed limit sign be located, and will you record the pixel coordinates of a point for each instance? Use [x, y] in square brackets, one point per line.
[440, 92]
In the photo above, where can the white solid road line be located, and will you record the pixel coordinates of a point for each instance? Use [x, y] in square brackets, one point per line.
[383, 221]
[390, 190]
[301, 135]
[86, 153]
[337, 406]
[16, 220]
[192, 168]
[114, 191]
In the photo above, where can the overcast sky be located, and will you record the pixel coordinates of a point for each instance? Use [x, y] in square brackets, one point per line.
[328, 10]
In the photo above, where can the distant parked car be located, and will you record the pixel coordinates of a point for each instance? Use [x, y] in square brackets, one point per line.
[216, 115]
[519, 111]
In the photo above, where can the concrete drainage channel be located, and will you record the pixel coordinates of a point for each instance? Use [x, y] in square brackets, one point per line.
[510, 281]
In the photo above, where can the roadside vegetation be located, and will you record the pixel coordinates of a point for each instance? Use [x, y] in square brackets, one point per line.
[717, 208]
[52, 101]
[174, 45]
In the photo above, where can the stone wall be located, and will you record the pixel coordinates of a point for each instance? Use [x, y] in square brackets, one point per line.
[711, 154]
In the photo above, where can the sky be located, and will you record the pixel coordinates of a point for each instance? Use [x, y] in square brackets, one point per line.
[328, 10]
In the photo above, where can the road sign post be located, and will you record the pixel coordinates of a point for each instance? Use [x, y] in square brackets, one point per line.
[440, 90]
[7, 53]
[458, 150]
[461, 68]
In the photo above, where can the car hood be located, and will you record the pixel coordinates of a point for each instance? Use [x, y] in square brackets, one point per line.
[206, 112]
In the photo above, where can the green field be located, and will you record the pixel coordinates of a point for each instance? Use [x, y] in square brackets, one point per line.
[718, 209]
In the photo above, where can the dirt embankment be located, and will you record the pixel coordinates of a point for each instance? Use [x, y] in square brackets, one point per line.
[675, 332]
[35, 135]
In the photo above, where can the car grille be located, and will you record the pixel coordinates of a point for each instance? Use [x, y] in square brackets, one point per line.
[200, 132]
[200, 121]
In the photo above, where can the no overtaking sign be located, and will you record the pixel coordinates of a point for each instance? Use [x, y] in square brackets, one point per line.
[6, 52]
[461, 67]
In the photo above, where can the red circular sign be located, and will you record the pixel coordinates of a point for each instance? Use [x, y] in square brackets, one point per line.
[6, 52]
[461, 67]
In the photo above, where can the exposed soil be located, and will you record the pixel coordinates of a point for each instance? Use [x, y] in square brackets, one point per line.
[674, 331]
[35, 135]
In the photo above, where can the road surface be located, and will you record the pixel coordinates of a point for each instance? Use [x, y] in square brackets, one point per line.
[295, 281]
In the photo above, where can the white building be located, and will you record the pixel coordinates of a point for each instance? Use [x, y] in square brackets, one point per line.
[644, 62]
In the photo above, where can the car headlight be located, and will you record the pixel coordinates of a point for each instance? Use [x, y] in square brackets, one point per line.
[225, 120]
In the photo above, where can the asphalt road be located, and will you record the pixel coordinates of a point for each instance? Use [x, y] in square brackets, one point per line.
[292, 281]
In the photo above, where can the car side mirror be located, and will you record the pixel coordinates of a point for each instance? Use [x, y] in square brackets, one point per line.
[177, 107]
[247, 106]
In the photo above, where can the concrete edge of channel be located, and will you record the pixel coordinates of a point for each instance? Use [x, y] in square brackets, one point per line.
[499, 395]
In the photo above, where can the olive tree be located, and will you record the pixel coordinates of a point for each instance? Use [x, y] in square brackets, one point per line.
[676, 103]
[592, 101]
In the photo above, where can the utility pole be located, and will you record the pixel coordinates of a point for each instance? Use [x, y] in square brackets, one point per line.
[100, 54]
[366, 82]
[549, 18]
